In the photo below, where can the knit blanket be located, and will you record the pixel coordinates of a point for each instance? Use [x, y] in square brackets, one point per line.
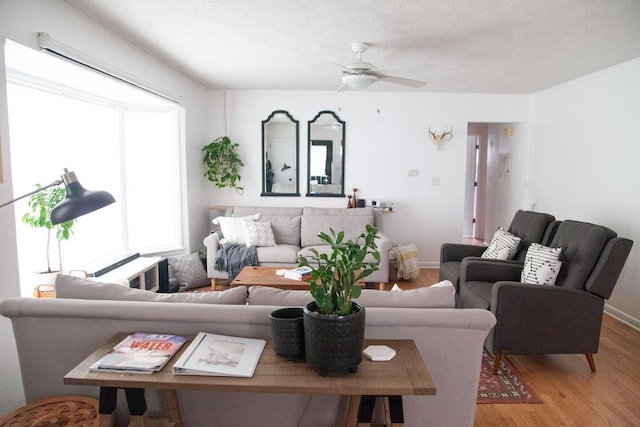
[407, 261]
[232, 258]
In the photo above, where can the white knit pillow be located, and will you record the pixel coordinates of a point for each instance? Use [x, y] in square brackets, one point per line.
[541, 265]
[503, 245]
[232, 229]
[258, 233]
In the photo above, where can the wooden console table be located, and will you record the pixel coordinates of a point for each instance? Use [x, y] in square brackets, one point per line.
[405, 375]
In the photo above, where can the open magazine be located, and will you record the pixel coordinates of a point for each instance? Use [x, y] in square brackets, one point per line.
[220, 355]
[140, 353]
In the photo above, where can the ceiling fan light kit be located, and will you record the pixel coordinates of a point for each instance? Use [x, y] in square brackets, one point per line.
[358, 81]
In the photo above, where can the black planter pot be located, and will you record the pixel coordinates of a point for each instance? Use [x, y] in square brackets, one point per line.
[287, 332]
[333, 344]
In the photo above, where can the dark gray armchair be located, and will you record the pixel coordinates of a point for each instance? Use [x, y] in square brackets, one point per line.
[561, 319]
[530, 227]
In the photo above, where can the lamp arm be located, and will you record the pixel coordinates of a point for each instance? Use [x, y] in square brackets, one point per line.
[37, 190]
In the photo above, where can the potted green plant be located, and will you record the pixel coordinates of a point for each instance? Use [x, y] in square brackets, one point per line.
[223, 163]
[333, 322]
[41, 204]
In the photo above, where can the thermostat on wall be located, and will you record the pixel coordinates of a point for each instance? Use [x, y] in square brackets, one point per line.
[379, 353]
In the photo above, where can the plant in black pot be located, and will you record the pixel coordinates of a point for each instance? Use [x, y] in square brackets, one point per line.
[333, 322]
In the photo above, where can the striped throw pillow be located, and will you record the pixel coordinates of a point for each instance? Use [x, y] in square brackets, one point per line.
[503, 245]
[541, 265]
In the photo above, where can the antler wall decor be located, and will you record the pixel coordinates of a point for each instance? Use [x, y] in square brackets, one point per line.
[438, 139]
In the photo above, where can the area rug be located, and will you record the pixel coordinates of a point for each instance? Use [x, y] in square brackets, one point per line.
[506, 387]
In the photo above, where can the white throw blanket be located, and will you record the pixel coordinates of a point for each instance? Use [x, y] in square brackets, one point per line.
[407, 261]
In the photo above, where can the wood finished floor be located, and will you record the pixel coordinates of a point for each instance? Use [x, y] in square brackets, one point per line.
[572, 395]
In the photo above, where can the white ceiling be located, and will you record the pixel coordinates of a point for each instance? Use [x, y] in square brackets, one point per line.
[480, 46]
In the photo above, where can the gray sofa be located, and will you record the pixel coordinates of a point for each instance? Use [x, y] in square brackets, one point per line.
[54, 335]
[296, 230]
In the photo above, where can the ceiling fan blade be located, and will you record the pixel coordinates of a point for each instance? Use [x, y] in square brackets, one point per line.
[401, 81]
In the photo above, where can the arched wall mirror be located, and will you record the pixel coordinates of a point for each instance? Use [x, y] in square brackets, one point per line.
[280, 155]
[325, 155]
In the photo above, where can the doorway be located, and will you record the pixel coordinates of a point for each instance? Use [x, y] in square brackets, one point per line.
[475, 182]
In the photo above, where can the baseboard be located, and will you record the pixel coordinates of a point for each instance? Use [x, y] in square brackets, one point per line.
[622, 316]
[429, 264]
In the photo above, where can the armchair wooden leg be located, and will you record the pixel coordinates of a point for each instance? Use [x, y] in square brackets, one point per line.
[496, 363]
[213, 284]
[381, 286]
[592, 364]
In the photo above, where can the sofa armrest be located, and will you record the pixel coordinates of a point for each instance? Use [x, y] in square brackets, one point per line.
[540, 309]
[473, 269]
[384, 246]
[212, 243]
[458, 251]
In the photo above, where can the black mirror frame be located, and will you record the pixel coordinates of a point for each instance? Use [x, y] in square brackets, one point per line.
[297, 160]
[342, 144]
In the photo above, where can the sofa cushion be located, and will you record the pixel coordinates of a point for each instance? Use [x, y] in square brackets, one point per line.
[315, 220]
[285, 222]
[77, 288]
[279, 254]
[326, 249]
[258, 233]
[541, 265]
[503, 245]
[441, 295]
[266, 295]
[188, 271]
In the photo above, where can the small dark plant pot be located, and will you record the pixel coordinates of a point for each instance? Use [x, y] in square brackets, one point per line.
[287, 332]
[333, 344]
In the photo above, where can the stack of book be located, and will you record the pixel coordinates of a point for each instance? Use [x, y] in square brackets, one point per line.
[300, 274]
[140, 353]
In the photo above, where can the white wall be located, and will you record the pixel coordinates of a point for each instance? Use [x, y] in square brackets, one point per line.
[379, 150]
[585, 162]
[20, 21]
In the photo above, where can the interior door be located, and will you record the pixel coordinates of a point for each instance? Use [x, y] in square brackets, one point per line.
[471, 187]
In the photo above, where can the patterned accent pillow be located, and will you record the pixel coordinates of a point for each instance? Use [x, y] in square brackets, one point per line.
[258, 233]
[232, 229]
[541, 265]
[189, 271]
[503, 245]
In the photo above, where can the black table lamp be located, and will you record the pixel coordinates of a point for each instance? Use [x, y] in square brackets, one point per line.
[77, 202]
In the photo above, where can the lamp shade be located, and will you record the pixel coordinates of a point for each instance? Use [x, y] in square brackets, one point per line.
[78, 201]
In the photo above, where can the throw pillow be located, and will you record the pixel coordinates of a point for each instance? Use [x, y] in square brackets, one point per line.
[541, 265]
[232, 230]
[78, 288]
[188, 271]
[503, 245]
[258, 233]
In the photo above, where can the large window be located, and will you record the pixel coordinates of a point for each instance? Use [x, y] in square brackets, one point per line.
[114, 137]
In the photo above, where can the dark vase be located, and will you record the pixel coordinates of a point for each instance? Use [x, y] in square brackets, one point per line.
[333, 344]
[287, 332]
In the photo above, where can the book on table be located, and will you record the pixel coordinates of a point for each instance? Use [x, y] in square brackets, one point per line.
[140, 353]
[299, 274]
[220, 355]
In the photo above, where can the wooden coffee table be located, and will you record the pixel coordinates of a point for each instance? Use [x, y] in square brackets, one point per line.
[266, 276]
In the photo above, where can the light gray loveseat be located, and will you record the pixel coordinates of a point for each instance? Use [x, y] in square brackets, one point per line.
[296, 231]
[54, 335]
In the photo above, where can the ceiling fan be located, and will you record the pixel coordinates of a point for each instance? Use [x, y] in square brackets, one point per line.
[361, 74]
